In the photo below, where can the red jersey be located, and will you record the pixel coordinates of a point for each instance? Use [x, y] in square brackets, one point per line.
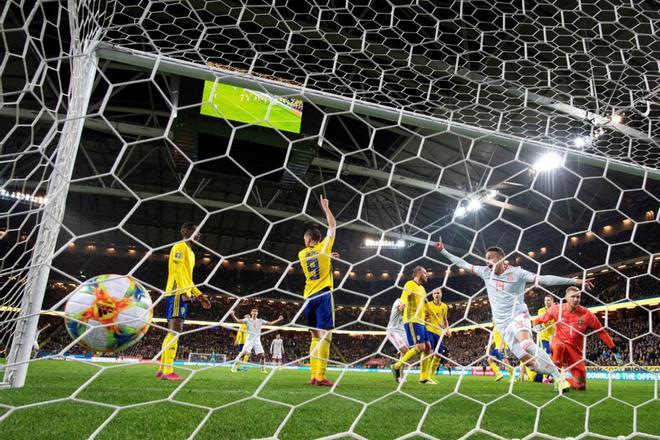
[572, 326]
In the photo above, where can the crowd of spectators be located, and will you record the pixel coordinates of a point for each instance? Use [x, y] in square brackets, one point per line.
[465, 348]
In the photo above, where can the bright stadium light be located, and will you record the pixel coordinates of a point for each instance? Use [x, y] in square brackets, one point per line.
[23, 197]
[581, 141]
[548, 162]
[474, 205]
[460, 211]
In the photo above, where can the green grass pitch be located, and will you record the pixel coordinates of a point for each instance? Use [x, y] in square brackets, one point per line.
[228, 105]
[246, 405]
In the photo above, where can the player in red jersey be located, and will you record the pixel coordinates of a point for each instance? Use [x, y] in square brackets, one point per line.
[573, 322]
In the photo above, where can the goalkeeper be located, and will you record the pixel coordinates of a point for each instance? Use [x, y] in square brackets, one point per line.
[573, 321]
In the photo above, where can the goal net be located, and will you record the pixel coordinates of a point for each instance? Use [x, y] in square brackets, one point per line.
[531, 127]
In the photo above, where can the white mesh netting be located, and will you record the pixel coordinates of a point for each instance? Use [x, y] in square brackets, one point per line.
[121, 121]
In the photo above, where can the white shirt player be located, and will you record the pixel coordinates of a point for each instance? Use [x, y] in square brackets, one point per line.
[253, 339]
[396, 316]
[506, 291]
[395, 331]
[277, 348]
[254, 326]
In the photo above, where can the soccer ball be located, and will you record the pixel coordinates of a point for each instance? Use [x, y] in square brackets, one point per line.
[113, 312]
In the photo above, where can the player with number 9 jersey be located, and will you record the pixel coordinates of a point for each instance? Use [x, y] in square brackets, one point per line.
[319, 307]
[317, 266]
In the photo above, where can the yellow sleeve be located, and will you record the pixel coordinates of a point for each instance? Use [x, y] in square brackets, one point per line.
[326, 245]
[187, 281]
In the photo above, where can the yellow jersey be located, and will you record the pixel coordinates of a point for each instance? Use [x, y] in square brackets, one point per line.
[240, 336]
[548, 328]
[436, 317]
[317, 266]
[180, 271]
[414, 297]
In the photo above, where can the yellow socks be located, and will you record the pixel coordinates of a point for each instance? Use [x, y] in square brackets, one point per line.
[495, 368]
[410, 354]
[323, 351]
[531, 375]
[170, 345]
[511, 371]
[313, 358]
[433, 367]
[424, 367]
[246, 358]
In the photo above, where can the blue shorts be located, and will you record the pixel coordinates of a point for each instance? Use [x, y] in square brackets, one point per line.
[320, 310]
[240, 347]
[415, 333]
[437, 346]
[494, 352]
[546, 346]
[175, 307]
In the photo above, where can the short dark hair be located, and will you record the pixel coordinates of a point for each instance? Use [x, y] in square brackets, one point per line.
[550, 296]
[313, 234]
[188, 225]
[497, 249]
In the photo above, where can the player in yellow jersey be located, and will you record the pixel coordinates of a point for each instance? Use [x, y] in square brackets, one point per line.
[437, 328]
[413, 298]
[546, 334]
[240, 339]
[496, 354]
[179, 293]
[319, 308]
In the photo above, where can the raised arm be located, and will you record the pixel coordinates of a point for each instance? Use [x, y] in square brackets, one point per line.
[235, 318]
[332, 223]
[276, 321]
[439, 245]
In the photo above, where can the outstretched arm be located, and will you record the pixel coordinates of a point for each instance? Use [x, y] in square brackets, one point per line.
[276, 321]
[440, 246]
[552, 280]
[549, 315]
[595, 324]
[235, 318]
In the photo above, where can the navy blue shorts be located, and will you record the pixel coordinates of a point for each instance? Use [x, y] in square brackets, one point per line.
[415, 333]
[437, 346]
[494, 352]
[320, 310]
[240, 347]
[546, 346]
[175, 307]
